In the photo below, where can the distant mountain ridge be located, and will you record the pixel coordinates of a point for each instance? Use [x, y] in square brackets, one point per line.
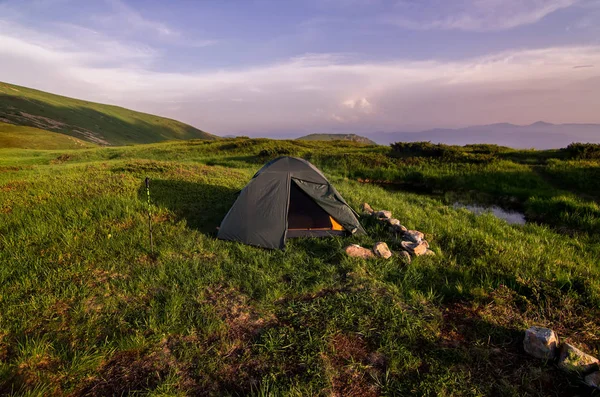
[89, 121]
[539, 135]
[336, 137]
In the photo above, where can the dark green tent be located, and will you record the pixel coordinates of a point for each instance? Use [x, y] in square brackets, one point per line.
[288, 197]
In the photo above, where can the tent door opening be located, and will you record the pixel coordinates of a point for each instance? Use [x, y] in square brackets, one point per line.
[307, 218]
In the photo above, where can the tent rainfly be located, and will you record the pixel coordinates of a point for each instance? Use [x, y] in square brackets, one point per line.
[288, 197]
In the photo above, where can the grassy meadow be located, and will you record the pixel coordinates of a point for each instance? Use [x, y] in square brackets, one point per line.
[87, 309]
[21, 137]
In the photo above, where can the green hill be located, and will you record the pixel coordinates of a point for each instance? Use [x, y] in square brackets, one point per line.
[21, 137]
[89, 121]
[337, 137]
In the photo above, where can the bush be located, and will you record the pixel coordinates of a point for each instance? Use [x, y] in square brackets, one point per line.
[583, 151]
[419, 149]
[486, 148]
[455, 154]
[276, 151]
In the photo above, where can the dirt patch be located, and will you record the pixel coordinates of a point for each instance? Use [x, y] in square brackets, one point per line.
[240, 372]
[12, 168]
[126, 372]
[3, 346]
[100, 276]
[13, 186]
[61, 159]
[34, 370]
[351, 366]
[91, 305]
[243, 320]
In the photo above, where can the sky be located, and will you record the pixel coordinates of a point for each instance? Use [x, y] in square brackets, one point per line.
[285, 68]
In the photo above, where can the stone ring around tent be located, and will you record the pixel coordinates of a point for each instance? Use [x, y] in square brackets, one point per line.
[288, 197]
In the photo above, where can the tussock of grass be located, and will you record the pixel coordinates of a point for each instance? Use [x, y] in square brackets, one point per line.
[87, 309]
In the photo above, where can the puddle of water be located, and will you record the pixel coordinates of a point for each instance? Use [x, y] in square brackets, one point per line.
[512, 217]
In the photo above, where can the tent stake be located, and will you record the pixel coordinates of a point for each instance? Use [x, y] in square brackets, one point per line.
[149, 214]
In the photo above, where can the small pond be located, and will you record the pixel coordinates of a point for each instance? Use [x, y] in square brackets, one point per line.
[512, 217]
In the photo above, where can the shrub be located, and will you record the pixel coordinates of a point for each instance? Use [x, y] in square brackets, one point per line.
[455, 154]
[582, 151]
[276, 151]
[420, 149]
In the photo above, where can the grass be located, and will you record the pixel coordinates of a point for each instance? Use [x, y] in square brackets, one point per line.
[87, 309]
[88, 121]
[20, 137]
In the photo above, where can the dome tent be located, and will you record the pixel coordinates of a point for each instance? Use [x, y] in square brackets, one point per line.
[288, 197]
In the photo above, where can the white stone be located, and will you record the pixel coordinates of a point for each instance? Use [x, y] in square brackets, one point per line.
[383, 214]
[381, 250]
[541, 343]
[356, 251]
[417, 249]
[366, 209]
[574, 360]
[393, 222]
[414, 235]
[399, 229]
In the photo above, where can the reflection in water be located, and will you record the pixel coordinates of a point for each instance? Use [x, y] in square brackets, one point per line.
[512, 217]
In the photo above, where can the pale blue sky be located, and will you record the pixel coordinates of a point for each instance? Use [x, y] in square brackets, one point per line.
[273, 67]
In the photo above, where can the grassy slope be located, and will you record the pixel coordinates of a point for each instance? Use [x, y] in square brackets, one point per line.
[337, 137]
[86, 309]
[15, 136]
[93, 122]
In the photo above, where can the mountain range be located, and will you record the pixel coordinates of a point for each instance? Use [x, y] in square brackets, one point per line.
[337, 137]
[539, 135]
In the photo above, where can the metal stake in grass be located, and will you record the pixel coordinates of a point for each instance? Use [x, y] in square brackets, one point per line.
[149, 214]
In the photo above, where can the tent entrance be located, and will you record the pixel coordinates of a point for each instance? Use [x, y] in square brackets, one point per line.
[307, 218]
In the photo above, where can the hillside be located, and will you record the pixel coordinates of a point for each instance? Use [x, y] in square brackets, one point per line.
[538, 135]
[21, 137]
[92, 122]
[87, 309]
[337, 137]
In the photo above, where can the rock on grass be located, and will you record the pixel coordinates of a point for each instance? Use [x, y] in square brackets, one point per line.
[383, 214]
[381, 250]
[414, 235]
[356, 251]
[417, 249]
[366, 209]
[541, 343]
[574, 360]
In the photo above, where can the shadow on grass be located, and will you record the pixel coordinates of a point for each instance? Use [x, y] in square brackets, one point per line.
[202, 206]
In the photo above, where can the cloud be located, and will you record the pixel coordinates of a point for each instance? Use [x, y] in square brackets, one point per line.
[130, 18]
[127, 20]
[313, 92]
[472, 15]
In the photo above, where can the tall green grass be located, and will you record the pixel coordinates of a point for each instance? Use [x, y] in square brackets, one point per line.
[87, 309]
